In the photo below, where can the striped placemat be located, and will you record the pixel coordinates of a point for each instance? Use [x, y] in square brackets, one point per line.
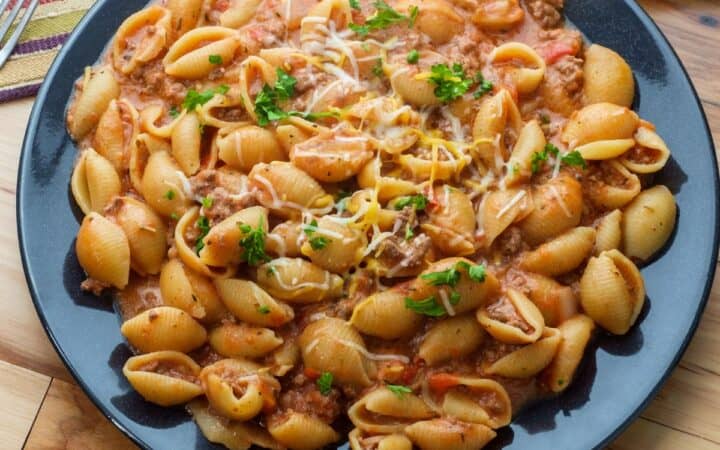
[40, 42]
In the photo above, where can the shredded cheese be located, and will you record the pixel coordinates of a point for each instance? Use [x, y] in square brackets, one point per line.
[519, 196]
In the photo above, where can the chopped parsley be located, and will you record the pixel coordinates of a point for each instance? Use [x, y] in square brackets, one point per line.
[285, 84]
[174, 216]
[454, 297]
[207, 202]
[377, 69]
[324, 383]
[203, 225]
[355, 4]
[215, 59]
[484, 87]
[544, 119]
[193, 98]
[429, 306]
[449, 277]
[573, 158]
[413, 56]
[311, 228]
[418, 202]
[264, 309]
[266, 102]
[169, 194]
[398, 389]
[319, 242]
[384, 17]
[253, 244]
[270, 271]
[409, 233]
[475, 272]
[174, 112]
[450, 82]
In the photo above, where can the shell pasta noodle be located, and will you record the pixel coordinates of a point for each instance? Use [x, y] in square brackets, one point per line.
[408, 216]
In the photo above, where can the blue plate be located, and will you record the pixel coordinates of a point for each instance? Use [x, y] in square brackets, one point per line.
[620, 375]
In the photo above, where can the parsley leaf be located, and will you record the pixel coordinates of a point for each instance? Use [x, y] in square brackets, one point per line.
[540, 157]
[174, 216]
[413, 56]
[409, 233]
[475, 272]
[264, 309]
[485, 86]
[253, 244]
[377, 69]
[319, 242]
[544, 119]
[215, 59]
[285, 84]
[454, 297]
[169, 194]
[449, 277]
[450, 83]
[266, 101]
[311, 228]
[204, 225]
[324, 383]
[193, 98]
[207, 202]
[574, 158]
[174, 112]
[428, 307]
[355, 4]
[398, 389]
[384, 17]
[418, 202]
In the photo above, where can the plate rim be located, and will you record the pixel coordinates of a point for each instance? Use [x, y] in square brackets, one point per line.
[30, 135]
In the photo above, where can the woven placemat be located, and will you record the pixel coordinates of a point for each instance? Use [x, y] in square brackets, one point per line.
[40, 42]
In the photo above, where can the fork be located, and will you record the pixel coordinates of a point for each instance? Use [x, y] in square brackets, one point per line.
[12, 41]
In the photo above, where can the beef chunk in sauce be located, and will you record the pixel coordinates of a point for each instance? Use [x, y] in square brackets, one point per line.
[547, 13]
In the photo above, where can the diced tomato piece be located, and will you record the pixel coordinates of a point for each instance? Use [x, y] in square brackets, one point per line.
[312, 373]
[441, 382]
[556, 50]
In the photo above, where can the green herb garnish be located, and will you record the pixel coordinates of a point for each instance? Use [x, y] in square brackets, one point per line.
[215, 59]
[264, 309]
[207, 202]
[449, 277]
[169, 194]
[203, 225]
[174, 112]
[485, 85]
[418, 202]
[324, 383]
[574, 158]
[398, 389]
[193, 98]
[319, 242]
[384, 17]
[413, 56]
[355, 4]
[253, 244]
[409, 233]
[377, 69]
[475, 272]
[450, 82]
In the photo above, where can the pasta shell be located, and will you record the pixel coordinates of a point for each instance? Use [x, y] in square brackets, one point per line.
[164, 328]
[302, 432]
[452, 223]
[232, 434]
[500, 209]
[387, 187]
[250, 303]
[298, 281]
[290, 135]
[531, 140]
[649, 156]
[188, 255]
[165, 378]
[615, 186]
[607, 149]
[384, 412]
[145, 144]
[222, 243]
[556, 302]
[529, 360]
[287, 190]
[390, 442]
[237, 389]
[441, 342]
[437, 19]
[513, 320]
[497, 16]
[558, 208]
[562, 254]
[163, 185]
[608, 78]
[478, 400]
[576, 333]
[343, 247]
[333, 156]
[473, 294]
[151, 115]
[116, 133]
[609, 232]
[333, 345]
[527, 77]
[146, 233]
[239, 13]
[612, 291]
[600, 122]
[254, 71]
[94, 182]
[103, 250]
[496, 115]
[234, 341]
[185, 15]
[384, 315]
[193, 293]
[98, 90]
[189, 57]
[408, 87]
[140, 38]
[244, 147]
[285, 239]
[284, 358]
[648, 222]
[186, 141]
[449, 435]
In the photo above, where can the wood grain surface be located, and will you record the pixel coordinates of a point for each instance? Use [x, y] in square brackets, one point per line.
[42, 408]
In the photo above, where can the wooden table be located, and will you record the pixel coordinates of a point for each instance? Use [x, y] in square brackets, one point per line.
[42, 408]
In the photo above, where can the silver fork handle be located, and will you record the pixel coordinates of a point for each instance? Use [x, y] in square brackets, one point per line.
[9, 46]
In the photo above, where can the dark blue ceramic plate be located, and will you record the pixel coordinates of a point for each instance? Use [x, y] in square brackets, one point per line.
[620, 374]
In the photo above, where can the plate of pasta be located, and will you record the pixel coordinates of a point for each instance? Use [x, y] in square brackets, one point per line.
[368, 225]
